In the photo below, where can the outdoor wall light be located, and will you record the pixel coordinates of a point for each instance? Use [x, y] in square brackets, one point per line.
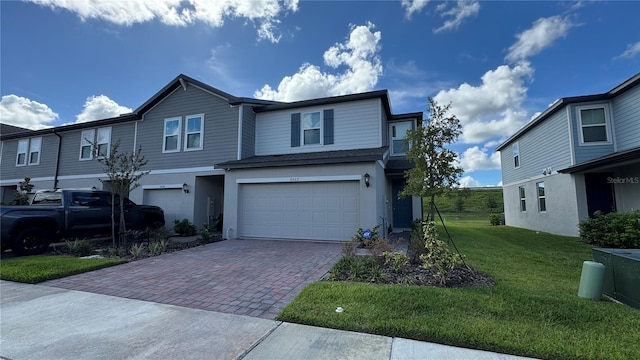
[185, 188]
[367, 177]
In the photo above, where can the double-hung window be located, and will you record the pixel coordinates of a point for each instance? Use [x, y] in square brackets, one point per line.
[171, 140]
[86, 149]
[523, 201]
[594, 124]
[542, 202]
[311, 128]
[194, 132]
[399, 145]
[34, 151]
[21, 157]
[103, 141]
[516, 154]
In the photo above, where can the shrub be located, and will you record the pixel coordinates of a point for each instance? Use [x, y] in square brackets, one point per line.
[416, 242]
[349, 248]
[494, 219]
[136, 250]
[158, 247]
[617, 229]
[396, 260]
[184, 227]
[79, 247]
[437, 254]
[160, 234]
[205, 235]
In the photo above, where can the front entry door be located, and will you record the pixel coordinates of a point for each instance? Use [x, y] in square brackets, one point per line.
[600, 195]
[401, 207]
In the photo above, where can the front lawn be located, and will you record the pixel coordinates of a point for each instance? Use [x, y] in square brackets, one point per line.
[532, 311]
[38, 268]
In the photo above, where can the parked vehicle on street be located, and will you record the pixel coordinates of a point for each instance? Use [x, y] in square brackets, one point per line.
[59, 214]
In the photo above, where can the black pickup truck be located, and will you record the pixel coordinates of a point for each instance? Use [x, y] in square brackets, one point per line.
[59, 214]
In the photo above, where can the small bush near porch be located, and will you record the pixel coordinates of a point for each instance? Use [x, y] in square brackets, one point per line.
[613, 230]
[533, 310]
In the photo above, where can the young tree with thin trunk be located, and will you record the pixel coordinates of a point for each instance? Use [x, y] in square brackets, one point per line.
[436, 169]
[124, 171]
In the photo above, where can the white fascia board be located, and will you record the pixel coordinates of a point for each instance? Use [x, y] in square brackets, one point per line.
[299, 179]
[16, 181]
[162, 186]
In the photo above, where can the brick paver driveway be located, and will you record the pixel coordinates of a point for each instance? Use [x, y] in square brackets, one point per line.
[248, 277]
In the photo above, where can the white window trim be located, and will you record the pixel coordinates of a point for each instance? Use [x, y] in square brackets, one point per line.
[522, 196]
[321, 126]
[164, 134]
[607, 124]
[187, 133]
[89, 139]
[31, 151]
[26, 152]
[514, 147]
[541, 197]
[391, 137]
[108, 141]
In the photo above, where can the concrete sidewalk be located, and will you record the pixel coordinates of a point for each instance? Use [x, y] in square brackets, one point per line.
[41, 322]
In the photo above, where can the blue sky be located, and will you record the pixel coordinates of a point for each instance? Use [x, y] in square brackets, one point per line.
[499, 63]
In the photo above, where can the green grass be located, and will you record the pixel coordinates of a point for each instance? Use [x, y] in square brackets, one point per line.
[38, 268]
[532, 311]
[475, 201]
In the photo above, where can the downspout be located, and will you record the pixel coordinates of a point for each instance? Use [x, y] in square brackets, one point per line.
[55, 177]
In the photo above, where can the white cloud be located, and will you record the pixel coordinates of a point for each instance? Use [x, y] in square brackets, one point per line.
[632, 51]
[474, 159]
[100, 107]
[493, 108]
[458, 14]
[19, 111]
[182, 12]
[413, 6]
[359, 58]
[499, 183]
[468, 182]
[540, 36]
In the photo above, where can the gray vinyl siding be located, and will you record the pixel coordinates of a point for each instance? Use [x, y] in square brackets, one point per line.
[546, 145]
[589, 151]
[626, 119]
[70, 163]
[356, 126]
[248, 132]
[220, 140]
[46, 167]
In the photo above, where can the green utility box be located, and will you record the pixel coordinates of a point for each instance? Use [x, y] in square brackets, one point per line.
[621, 275]
[591, 280]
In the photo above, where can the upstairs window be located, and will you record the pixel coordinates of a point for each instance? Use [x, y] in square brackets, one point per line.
[523, 200]
[311, 128]
[399, 145]
[21, 157]
[516, 155]
[542, 199]
[103, 141]
[594, 124]
[194, 132]
[34, 151]
[171, 140]
[85, 144]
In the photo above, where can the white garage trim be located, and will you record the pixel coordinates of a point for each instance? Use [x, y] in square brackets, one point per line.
[299, 179]
[161, 186]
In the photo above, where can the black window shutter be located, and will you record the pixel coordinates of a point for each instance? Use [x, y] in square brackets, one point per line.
[328, 127]
[295, 130]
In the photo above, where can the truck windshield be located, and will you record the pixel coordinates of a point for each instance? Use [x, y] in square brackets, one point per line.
[47, 198]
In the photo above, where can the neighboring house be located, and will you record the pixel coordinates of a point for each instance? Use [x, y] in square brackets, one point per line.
[580, 155]
[316, 169]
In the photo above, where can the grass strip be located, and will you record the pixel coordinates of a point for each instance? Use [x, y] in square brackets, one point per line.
[39, 268]
[532, 311]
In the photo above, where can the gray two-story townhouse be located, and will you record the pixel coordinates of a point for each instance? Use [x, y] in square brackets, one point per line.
[321, 169]
[317, 169]
[580, 155]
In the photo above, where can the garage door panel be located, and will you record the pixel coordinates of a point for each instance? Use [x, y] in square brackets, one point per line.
[320, 210]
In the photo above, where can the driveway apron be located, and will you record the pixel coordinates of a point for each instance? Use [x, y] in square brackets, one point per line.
[245, 277]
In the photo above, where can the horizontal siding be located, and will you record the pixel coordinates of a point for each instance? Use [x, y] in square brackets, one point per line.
[546, 145]
[248, 132]
[586, 152]
[626, 119]
[356, 126]
[220, 141]
[70, 163]
[46, 168]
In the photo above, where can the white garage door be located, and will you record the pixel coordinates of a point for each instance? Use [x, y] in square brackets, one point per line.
[312, 210]
[171, 201]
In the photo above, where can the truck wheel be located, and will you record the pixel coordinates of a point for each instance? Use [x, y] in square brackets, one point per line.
[31, 241]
